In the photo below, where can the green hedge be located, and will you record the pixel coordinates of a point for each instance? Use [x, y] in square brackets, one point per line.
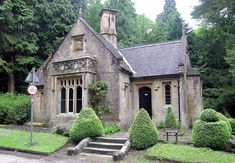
[209, 115]
[223, 118]
[170, 121]
[14, 109]
[214, 135]
[143, 132]
[111, 128]
[232, 123]
[86, 125]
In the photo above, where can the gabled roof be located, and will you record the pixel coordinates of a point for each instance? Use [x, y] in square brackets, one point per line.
[108, 45]
[154, 59]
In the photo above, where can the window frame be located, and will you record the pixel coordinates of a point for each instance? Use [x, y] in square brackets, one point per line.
[167, 102]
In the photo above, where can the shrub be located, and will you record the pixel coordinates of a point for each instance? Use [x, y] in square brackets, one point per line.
[209, 115]
[232, 123]
[111, 128]
[223, 118]
[14, 109]
[214, 135]
[161, 125]
[170, 121]
[143, 132]
[61, 130]
[98, 91]
[87, 124]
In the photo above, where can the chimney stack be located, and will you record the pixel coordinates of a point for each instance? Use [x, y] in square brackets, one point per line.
[108, 25]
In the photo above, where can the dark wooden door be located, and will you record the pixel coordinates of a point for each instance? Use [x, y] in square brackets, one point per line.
[145, 100]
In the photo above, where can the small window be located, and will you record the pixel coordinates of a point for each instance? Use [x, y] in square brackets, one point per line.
[71, 100]
[167, 94]
[79, 99]
[78, 43]
[63, 100]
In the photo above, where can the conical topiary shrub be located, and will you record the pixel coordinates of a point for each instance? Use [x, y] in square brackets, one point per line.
[87, 124]
[170, 121]
[143, 132]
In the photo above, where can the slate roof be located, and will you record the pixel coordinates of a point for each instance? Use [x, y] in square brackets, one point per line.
[154, 59]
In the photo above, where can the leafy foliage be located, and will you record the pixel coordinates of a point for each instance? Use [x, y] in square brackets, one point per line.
[111, 128]
[212, 51]
[169, 23]
[223, 118]
[214, 135]
[143, 132]
[14, 109]
[86, 125]
[209, 115]
[98, 91]
[170, 121]
[232, 124]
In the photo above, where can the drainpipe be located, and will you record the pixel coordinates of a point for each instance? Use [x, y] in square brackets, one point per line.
[178, 80]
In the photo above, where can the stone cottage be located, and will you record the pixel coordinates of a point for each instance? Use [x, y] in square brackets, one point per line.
[153, 77]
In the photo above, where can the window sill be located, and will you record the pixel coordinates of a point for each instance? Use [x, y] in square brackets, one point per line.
[166, 106]
[67, 115]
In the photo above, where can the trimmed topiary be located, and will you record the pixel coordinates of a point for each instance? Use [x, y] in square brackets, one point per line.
[232, 123]
[209, 115]
[214, 135]
[223, 118]
[170, 121]
[86, 125]
[143, 132]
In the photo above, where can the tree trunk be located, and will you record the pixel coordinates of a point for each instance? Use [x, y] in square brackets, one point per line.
[11, 77]
[11, 83]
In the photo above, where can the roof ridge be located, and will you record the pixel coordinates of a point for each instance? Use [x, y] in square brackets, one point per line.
[150, 45]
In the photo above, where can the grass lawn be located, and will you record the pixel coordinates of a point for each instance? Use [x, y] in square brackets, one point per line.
[42, 142]
[185, 153]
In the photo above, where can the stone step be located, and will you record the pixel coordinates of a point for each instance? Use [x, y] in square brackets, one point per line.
[102, 151]
[105, 145]
[110, 140]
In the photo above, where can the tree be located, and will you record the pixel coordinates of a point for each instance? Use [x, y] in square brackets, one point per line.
[126, 21]
[212, 52]
[91, 14]
[29, 32]
[220, 14]
[169, 23]
[18, 41]
[145, 30]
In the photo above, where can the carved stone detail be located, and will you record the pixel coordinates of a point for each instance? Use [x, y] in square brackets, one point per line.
[74, 66]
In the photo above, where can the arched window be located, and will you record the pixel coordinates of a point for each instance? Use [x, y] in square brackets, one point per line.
[63, 101]
[71, 100]
[79, 99]
[167, 94]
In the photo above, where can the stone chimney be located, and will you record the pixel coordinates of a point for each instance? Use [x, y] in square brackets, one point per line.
[108, 25]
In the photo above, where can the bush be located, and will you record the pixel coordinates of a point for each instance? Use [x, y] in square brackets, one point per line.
[161, 125]
[223, 118]
[170, 121]
[232, 124]
[61, 130]
[14, 109]
[143, 132]
[209, 115]
[86, 125]
[214, 135]
[111, 128]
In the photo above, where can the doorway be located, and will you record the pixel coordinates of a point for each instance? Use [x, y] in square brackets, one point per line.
[145, 99]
